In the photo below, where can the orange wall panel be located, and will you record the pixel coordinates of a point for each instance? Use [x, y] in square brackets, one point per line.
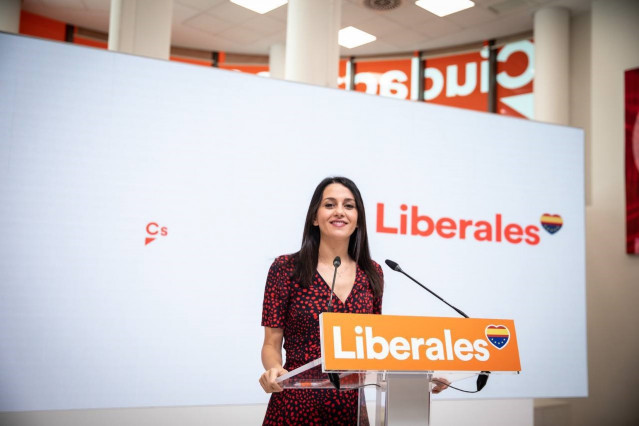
[458, 80]
[250, 69]
[39, 26]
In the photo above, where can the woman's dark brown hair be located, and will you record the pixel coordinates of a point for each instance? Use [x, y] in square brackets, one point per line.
[306, 259]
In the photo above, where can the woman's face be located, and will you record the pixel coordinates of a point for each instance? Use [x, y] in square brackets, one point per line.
[337, 213]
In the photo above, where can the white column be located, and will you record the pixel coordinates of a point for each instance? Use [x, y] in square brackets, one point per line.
[10, 16]
[141, 27]
[312, 52]
[277, 61]
[552, 65]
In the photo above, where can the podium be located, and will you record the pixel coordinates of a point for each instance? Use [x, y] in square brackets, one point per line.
[401, 357]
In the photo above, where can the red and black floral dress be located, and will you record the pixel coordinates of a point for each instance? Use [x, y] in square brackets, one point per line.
[296, 310]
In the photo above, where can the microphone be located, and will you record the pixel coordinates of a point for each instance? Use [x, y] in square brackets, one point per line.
[334, 377]
[482, 378]
[336, 262]
[395, 267]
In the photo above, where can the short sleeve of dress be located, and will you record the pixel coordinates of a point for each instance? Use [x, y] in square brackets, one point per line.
[275, 302]
[377, 301]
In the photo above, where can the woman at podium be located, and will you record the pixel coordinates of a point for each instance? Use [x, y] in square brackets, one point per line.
[298, 289]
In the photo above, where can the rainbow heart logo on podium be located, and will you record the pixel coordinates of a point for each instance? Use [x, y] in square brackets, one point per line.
[551, 222]
[498, 335]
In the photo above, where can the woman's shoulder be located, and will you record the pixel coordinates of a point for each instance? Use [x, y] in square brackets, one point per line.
[284, 261]
[377, 267]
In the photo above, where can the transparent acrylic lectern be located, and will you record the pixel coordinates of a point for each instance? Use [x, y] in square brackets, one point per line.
[393, 361]
[398, 397]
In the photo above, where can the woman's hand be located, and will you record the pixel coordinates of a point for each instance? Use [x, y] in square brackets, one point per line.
[440, 385]
[267, 379]
[272, 359]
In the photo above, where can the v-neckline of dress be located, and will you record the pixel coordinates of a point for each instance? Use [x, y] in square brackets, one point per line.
[343, 302]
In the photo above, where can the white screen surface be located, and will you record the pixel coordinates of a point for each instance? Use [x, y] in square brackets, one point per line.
[96, 146]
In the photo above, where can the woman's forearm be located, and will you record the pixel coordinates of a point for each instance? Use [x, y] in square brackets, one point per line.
[271, 356]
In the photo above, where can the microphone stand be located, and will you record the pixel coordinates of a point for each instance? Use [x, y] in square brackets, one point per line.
[334, 377]
[482, 378]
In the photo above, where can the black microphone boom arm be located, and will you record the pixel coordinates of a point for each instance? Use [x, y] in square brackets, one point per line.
[394, 266]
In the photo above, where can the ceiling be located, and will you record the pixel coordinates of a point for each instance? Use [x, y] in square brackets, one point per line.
[223, 26]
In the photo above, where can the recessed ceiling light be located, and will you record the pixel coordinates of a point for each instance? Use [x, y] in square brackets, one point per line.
[444, 7]
[260, 6]
[352, 37]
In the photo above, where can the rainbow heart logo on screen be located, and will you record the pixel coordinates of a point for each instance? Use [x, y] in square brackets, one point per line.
[551, 222]
[498, 335]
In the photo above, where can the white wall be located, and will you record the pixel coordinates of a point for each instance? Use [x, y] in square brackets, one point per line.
[10, 16]
[580, 34]
[612, 275]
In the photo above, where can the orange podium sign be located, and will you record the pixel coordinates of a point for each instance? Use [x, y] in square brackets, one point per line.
[359, 342]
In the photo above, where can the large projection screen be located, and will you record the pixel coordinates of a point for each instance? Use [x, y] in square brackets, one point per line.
[143, 201]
